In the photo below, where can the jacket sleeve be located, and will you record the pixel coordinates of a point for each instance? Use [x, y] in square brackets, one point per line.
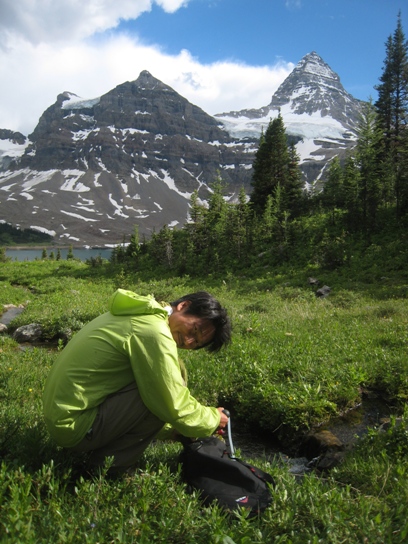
[157, 372]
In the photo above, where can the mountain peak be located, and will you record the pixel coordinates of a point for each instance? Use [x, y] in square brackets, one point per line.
[317, 111]
[311, 79]
[313, 88]
[147, 81]
[145, 74]
[313, 64]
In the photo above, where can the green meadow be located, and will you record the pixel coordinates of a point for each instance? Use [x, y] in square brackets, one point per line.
[296, 361]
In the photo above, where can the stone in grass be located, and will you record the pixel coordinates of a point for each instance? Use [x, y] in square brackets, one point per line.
[323, 291]
[28, 333]
[317, 443]
[324, 449]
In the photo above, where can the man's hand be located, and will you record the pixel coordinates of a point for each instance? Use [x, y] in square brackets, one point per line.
[224, 418]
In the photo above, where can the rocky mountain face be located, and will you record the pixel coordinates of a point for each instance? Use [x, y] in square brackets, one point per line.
[93, 169]
[317, 112]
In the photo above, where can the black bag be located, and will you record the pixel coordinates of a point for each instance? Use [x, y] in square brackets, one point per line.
[208, 467]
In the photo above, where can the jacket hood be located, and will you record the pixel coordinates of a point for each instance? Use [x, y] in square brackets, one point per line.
[125, 302]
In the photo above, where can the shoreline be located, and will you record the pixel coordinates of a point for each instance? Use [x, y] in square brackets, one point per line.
[37, 248]
[53, 248]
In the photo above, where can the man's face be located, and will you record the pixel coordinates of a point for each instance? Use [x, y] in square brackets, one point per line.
[189, 331]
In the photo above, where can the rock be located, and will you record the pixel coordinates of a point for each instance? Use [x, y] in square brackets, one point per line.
[28, 333]
[298, 465]
[313, 281]
[15, 137]
[3, 328]
[319, 443]
[386, 424]
[65, 335]
[329, 460]
[323, 291]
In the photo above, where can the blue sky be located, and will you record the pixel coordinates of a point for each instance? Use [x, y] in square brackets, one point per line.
[348, 34]
[221, 55]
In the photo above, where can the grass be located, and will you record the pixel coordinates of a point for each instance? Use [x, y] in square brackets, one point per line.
[295, 361]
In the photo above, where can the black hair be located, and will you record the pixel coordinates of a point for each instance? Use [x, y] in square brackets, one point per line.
[205, 306]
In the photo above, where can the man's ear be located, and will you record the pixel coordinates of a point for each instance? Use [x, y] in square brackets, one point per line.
[181, 306]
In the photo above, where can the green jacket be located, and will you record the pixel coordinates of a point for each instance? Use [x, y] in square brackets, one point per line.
[130, 342]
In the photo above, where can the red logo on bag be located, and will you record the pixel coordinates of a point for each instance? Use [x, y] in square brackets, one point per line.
[242, 500]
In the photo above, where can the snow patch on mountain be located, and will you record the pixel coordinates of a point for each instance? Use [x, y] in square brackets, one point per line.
[43, 230]
[12, 149]
[71, 182]
[77, 216]
[171, 184]
[306, 125]
[75, 102]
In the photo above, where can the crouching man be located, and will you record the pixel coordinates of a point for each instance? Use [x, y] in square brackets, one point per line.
[118, 382]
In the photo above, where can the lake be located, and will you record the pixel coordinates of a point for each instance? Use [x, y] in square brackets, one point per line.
[33, 254]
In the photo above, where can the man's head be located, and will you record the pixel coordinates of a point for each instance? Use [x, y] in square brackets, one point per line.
[198, 320]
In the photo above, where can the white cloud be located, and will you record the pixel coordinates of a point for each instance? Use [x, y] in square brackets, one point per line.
[172, 5]
[35, 66]
[39, 21]
[293, 4]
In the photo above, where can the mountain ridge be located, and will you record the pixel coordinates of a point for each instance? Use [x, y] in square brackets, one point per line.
[316, 110]
[92, 169]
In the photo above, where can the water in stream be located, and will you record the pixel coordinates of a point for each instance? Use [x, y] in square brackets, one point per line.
[11, 312]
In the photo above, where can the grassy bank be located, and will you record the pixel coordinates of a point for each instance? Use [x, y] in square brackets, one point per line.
[296, 360]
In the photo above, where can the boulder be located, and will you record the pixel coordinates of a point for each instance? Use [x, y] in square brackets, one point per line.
[323, 291]
[28, 333]
[321, 442]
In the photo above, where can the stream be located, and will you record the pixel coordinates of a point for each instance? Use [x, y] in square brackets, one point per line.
[348, 428]
[11, 313]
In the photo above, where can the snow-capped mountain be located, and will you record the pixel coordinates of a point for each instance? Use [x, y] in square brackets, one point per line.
[93, 169]
[317, 112]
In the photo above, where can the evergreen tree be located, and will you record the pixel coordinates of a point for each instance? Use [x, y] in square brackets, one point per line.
[243, 228]
[333, 193]
[351, 188]
[385, 95]
[3, 256]
[236, 230]
[369, 148]
[195, 240]
[133, 249]
[218, 239]
[196, 209]
[216, 204]
[392, 109]
[294, 186]
[70, 254]
[161, 247]
[273, 165]
[267, 224]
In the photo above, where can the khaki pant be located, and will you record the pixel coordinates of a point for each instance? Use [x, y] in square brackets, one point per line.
[123, 428]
